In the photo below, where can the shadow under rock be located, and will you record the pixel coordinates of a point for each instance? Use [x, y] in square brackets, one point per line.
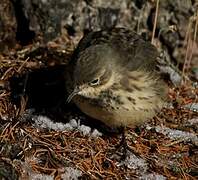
[45, 90]
[46, 93]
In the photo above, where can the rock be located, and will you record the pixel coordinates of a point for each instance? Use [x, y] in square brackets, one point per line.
[48, 18]
[7, 171]
[8, 26]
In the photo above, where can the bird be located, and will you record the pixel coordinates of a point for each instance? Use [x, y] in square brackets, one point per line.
[114, 78]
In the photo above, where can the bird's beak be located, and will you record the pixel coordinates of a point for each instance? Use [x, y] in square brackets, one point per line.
[75, 92]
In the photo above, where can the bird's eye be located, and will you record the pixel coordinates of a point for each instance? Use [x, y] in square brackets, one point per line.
[95, 82]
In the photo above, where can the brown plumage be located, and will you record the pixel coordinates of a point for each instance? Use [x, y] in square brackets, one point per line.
[113, 78]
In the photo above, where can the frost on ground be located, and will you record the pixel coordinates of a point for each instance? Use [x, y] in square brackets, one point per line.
[136, 163]
[191, 107]
[176, 134]
[36, 176]
[71, 173]
[140, 166]
[66, 173]
[26, 171]
[152, 176]
[193, 121]
[174, 76]
[45, 122]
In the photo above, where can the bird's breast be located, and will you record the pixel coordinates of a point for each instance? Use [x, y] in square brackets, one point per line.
[130, 101]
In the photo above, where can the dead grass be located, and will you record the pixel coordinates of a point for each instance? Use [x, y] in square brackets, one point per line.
[48, 151]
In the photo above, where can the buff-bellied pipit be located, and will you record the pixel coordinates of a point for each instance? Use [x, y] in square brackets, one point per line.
[114, 78]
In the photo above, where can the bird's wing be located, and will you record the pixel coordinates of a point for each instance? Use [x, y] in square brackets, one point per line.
[130, 46]
[134, 50]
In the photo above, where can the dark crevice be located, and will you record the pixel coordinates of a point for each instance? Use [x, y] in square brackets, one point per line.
[44, 87]
[71, 31]
[150, 22]
[140, 3]
[46, 94]
[23, 35]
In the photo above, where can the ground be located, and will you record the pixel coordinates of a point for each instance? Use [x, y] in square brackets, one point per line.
[43, 137]
[41, 141]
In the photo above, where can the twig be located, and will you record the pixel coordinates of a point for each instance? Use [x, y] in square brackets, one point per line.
[190, 45]
[22, 65]
[155, 21]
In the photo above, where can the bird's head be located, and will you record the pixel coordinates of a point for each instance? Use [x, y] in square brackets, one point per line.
[93, 71]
